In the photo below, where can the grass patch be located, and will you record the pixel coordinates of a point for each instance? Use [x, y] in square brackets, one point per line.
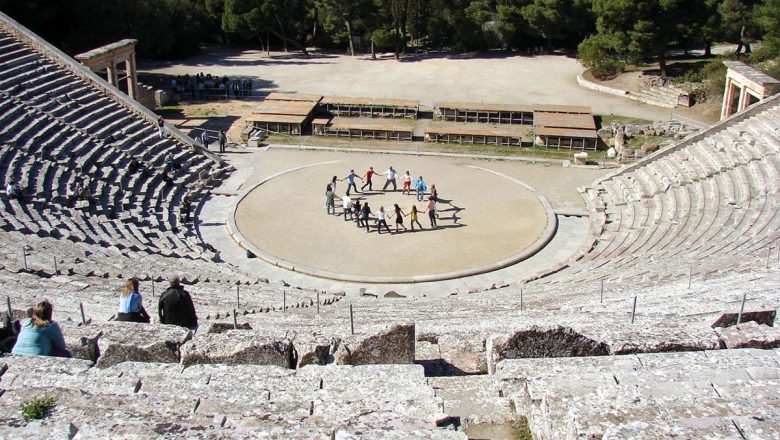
[636, 141]
[170, 108]
[523, 431]
[607, 120]
[200, 112]
[37, 408]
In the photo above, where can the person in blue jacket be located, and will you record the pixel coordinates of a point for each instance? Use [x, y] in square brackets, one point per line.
[40, 335]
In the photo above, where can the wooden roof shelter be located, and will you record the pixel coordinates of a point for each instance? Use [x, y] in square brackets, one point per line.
[286, 113]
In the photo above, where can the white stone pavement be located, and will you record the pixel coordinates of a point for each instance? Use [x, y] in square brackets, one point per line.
[212, 217]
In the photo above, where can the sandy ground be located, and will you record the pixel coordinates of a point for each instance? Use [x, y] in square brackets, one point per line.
[489, 217]
[494, 78]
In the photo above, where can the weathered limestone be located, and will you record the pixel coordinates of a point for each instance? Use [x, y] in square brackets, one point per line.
[237, 347]
[222, 327]
[658, 337]
[395, 345]
[312, 349]
[463, 353]
[82, 341]
[750, 335]
[129, 341]
[535, 342]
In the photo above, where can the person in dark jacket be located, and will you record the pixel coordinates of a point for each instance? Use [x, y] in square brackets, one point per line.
[176, 306]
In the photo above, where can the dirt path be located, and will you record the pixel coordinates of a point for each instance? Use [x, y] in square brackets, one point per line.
[496, 78]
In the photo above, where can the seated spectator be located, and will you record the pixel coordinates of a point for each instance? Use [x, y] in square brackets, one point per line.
[131, 307]
[166, 178]
[13, 190]
[176, 307]
[39, 335]
[170, 164]
[8, 334]
[186, 207]
[134, 165]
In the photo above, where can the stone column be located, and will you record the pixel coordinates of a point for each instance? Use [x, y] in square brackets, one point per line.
[132, 77]
[743, 99]
[727, 96]
[111, 74]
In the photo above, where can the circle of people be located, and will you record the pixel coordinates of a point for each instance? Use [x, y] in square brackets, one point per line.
[361, 213]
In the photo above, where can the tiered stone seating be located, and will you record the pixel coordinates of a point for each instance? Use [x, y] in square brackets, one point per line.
[86, 132]
[712, 394]
[132, 400]
[714, 196]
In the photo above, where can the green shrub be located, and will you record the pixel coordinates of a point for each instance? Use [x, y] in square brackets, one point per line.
[37, 408]
[596, 54]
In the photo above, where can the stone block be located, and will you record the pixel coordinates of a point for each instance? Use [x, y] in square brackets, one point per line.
[237, 347]
[462, 353]
[750, 335]
[394, 345]
[540, 342]
[82, 341]
[312, 350]
[129, 341]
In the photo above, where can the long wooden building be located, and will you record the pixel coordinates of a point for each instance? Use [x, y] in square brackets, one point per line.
[370, 107]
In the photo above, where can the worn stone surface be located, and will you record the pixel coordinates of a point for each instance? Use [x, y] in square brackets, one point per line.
[312, 349]
[82, 341]
[394, 345]
[658, 337]
[750, 335]
[222, 327]
[766, 317]
[129, 341]
[536, 342]
[237, 347]
[463, 354]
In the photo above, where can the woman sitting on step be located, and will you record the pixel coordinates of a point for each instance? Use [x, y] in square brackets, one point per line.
[40, 335]
[131, 307]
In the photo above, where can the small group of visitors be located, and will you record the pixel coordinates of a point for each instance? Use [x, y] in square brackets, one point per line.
[40, 335]
[206, 86]
[361, 212]
[205, 140]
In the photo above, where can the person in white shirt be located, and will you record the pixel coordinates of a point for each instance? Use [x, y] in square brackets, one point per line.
[381, 220]
[407, 183]
[391, 176]
[13, 190]
[346, 205]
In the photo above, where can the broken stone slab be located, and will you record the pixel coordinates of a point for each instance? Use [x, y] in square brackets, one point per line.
[766, 317]
[393, 345]
[750, 335]
[462, 353]
[540, 342]
[82, 340]
[312, 349]
[238, 347]
[130, 341]
[393, 294]
[657, 337]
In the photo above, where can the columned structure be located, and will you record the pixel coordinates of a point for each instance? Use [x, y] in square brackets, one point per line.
[108, 58]
[745, 86]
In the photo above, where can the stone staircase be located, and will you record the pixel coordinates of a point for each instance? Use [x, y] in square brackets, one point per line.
[664, 96]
